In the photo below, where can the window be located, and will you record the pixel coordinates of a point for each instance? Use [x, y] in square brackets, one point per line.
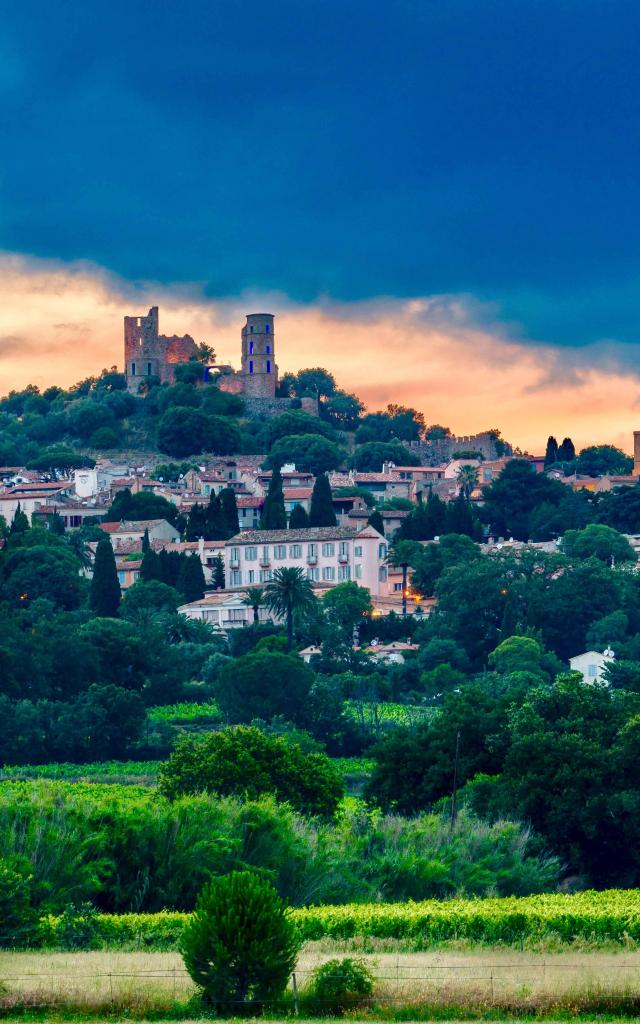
[235, 554]
[397, 587]
[268, 349]
[328, 573]
[251, 366]
[280, 551]
[313, 575]
[382, 574]
[268, 366]
[358, 571]
[312, 550]
[251, 576]
[328, 550]
[343, 550]
[236, 615]
[265, 575]
[266, 328]
[295, 551]
[344, 572]
[265, 553]
[251, 328]
[133, 369]
[235, 578]
[382, 550]
[121, 578]
[592, 671]
[250, 554]
[357, 551]
[148, 369]
[251, 348]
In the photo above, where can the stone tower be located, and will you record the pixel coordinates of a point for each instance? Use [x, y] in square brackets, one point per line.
[141, 349]
[259, 371]
[636, 453]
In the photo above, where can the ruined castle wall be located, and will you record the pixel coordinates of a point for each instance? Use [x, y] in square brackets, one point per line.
[434, 453]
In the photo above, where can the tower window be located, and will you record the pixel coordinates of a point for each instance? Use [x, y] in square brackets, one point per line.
[266, 328]
[268, 366]
[268, 349]
[250, 348]
[148, 369]
[251, 366]
[251, 328]
[133, 369]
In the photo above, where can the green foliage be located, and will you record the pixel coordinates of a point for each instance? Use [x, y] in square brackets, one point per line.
[191, 582]
[298, 518]
[105, 588]
[240, 945]
[511, 499]
[369, 457]
[321, 512]
[77, 926]
[311, 453]
[17, 919]
[274, 516]
[338, 986]
[598, 541]
[140, 507]
[287, 594]
[245, 761]
[263, 684]
[599, 460]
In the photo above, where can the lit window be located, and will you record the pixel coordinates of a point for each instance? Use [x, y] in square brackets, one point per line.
[251, 366]
[268, 349]
[268, 366]
[266, 328]
[250, 348]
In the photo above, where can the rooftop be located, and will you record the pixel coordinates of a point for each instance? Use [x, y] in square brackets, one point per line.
[314, 533]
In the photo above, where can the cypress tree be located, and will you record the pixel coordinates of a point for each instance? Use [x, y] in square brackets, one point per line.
[191, 582]
[322, 513]
[19, 523]
[229, 510]
[196, 523]
[274, 516]
[460, 518]
[298, 520]
[215, 520]
[146, 544]
[566, 451]
[170, 566]
[217, 573]
[150, 568]
[105, 588]
[376, 520]
[551, 454]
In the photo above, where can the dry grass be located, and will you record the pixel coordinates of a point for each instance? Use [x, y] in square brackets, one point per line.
[486, 980]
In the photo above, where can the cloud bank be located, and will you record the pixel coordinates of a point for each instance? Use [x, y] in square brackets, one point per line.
[447, 355]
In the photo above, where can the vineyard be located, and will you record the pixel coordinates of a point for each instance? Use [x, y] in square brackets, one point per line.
[610, 917]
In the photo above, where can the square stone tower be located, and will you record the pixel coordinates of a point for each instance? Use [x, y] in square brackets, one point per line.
[636, 453]
[259, 371]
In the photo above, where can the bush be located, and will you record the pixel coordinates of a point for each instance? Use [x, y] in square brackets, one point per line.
[241, 944]
[16, 914]
[77, 927]
[337, 986]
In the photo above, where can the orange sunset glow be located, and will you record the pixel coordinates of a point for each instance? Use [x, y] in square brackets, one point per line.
[61, 322]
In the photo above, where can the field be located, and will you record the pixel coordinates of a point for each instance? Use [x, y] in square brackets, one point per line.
[490, 981]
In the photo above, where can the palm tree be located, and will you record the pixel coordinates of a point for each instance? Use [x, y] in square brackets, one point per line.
[287, 592]
[468, 480]
[254, 598]
[403, 554]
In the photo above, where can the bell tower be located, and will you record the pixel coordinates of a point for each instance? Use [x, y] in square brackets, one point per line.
[259, 370]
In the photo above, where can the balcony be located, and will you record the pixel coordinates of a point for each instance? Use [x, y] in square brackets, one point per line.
[265, 563]
[234, 563]
[343, 557]
[312, 559]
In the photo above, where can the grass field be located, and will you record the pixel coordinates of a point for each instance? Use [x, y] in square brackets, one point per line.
[489, 981]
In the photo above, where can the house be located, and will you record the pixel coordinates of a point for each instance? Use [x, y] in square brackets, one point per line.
[297, 496]
[223, 609]
[249, 510]
[158, 529]
[592, 664]
[128, 571]
[393, 653]
[326, 554]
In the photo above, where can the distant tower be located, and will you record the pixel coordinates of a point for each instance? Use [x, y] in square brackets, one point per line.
[259, 370]
[636, 453]
[141, 348]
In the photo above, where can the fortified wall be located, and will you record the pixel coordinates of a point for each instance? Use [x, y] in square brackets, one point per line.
[434, 453]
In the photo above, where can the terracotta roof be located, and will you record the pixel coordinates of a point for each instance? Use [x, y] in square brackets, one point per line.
[252, 502]
[374, 478]
[314, 533]
[131, 527]
[291, 493]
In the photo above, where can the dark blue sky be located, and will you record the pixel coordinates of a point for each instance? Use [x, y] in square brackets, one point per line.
[347, 149]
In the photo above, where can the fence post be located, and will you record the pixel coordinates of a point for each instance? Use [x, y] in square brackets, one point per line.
[294, 986]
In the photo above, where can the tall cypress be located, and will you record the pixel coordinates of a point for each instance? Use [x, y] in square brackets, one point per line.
[229, 510]
[298, 520]
[216, 523]
[146, 543]
[551, 454]
[566, 451]
[321, 512]
[376, 520]
[191, 582]
[105, 588]
[217, 573]
[150, 568]
[274, 516]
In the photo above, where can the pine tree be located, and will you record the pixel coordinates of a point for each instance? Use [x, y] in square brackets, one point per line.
[298, 520]
[321, 512]
[191, 582]
[566, 451]
[105, 588]
[274, 516]
[376, 520]
[229, 509]
[217, 573]
[150, 568]
[551, 454]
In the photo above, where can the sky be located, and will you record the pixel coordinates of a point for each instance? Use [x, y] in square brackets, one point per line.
[438, 200]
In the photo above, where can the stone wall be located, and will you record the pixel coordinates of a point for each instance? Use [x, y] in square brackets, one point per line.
[434, 453]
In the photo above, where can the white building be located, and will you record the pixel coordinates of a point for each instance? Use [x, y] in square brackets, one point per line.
[591, 665]
[327, 554]
[223, 609]
[121, 534]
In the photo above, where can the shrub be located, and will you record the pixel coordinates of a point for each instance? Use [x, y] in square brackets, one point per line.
[241, 944]
[77, 927]
[16, 914]
[338, 986]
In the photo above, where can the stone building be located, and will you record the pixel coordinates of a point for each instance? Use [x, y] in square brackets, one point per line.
[149, 354]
